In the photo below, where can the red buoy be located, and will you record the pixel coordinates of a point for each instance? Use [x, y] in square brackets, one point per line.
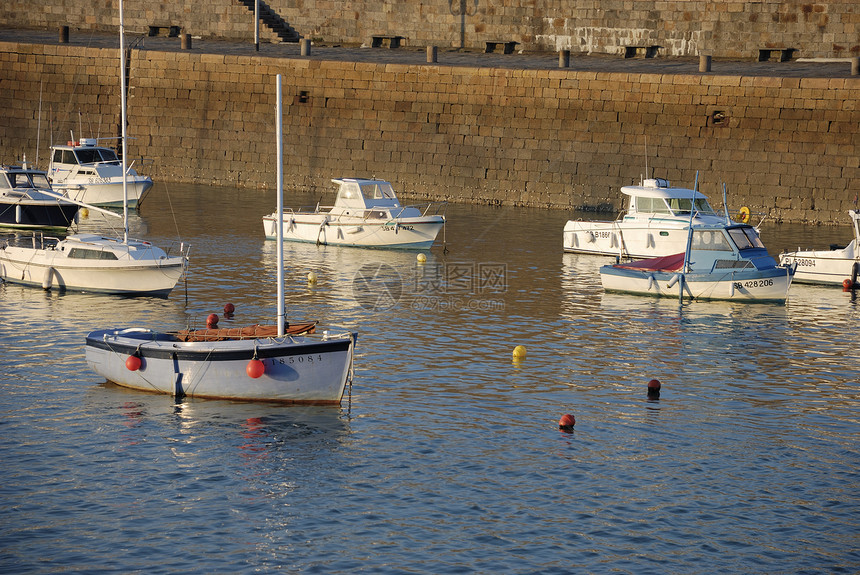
[847, 284]
[654, 388]
[229, 308]
[255, 368]
[566, 422]
[212, 320]
[133, 363]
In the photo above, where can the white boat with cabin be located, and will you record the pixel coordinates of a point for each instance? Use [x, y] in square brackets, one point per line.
[93, 174]
[27, 201]
[366, 213]
[719, 263]
[840, 265]
[654, 224]
[259, 363]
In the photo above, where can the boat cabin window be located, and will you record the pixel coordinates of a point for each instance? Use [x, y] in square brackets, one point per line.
[377, 191]
[710, 240]
[681, 206]
[84, 254]
[88, 156]
[4, 183]
[64, 157]
[745, 237]
[28, 180]
[651, 205]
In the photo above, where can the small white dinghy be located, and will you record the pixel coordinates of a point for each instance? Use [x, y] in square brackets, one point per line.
[836, 266]
[259, 363]
[366, 213]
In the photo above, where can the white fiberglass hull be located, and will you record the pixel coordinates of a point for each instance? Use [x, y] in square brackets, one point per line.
[747, 285]
[654, 238]
[297, 369]
[827, 267]
[320, 228]
[53, 269]
[105, 192]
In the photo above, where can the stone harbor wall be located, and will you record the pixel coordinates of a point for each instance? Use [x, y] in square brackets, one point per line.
[785, 147]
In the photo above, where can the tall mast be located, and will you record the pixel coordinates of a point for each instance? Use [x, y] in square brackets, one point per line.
[123, 122]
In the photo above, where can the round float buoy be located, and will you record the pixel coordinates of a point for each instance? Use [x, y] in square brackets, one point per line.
[229, 308]
[566, 422]
[744, 215]
[519, 352]
[133, 363]
[847, 284]
[312, 278]
[85, 213]
[255, 368]
[654, 388]
[422, 258]
[212, 320]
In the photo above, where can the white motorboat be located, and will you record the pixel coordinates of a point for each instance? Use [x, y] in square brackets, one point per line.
[655, 223]
[721, 262]
[92, 262]
[270, 363]
[26, 200]
[839, 265]
[366, 213]
[93, 174]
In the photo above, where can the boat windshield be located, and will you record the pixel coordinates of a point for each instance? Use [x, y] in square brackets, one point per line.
[28, 180]
[651, 205]
[711, 240]
[95, 155]
[745, 237]
[377, 191]
[681, 206]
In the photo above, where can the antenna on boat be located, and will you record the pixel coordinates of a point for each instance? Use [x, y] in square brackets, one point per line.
[279, 220]
[646, 157]
[123, 120]
[726, 206]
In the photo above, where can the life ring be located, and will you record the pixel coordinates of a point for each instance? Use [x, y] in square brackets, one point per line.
[744, 215]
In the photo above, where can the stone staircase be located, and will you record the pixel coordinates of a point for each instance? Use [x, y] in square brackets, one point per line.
[273, 21]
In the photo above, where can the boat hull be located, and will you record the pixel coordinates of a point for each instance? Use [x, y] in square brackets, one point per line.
[824, 267]
[37, 214]
[106, 192]
[769, 285]
[52, 269]
[649, 239]
[404, 233]
[297, 369]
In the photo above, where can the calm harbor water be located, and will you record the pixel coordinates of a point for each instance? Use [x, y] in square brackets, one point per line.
[447, 457]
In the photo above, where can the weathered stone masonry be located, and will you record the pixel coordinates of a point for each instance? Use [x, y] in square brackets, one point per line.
[787, 147]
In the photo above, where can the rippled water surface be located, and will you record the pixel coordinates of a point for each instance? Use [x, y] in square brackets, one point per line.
[446, 457]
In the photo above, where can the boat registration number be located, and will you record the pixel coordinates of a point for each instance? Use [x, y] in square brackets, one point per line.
[803, 262]
[314, 358]
[754, 284]
[602, 234]
[395, 228]
[99, 181]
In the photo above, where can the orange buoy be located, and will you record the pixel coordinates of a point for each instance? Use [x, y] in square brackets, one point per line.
[133, 363]
[654, 388]
[566, 422]
[847, 284]
[255, 368]
[212, 320]
[229, 308]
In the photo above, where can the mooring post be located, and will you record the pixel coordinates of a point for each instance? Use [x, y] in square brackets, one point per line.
[185, 42]
[64, 34]
[305, 44]
[563, 58]
[431, 54]
[704, 63]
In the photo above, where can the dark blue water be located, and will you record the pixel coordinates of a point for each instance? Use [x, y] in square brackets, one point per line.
[446, 457]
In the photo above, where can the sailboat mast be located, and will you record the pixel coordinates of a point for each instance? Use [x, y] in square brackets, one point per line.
[279, 212]
[123, 122]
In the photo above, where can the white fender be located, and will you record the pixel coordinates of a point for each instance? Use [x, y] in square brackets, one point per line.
[651, 282]
[674, 280]
[18, 214]
[731, 289]
[47, 280]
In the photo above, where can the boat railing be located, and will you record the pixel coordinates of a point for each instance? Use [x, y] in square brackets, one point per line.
[439, 209]
[317, 209]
